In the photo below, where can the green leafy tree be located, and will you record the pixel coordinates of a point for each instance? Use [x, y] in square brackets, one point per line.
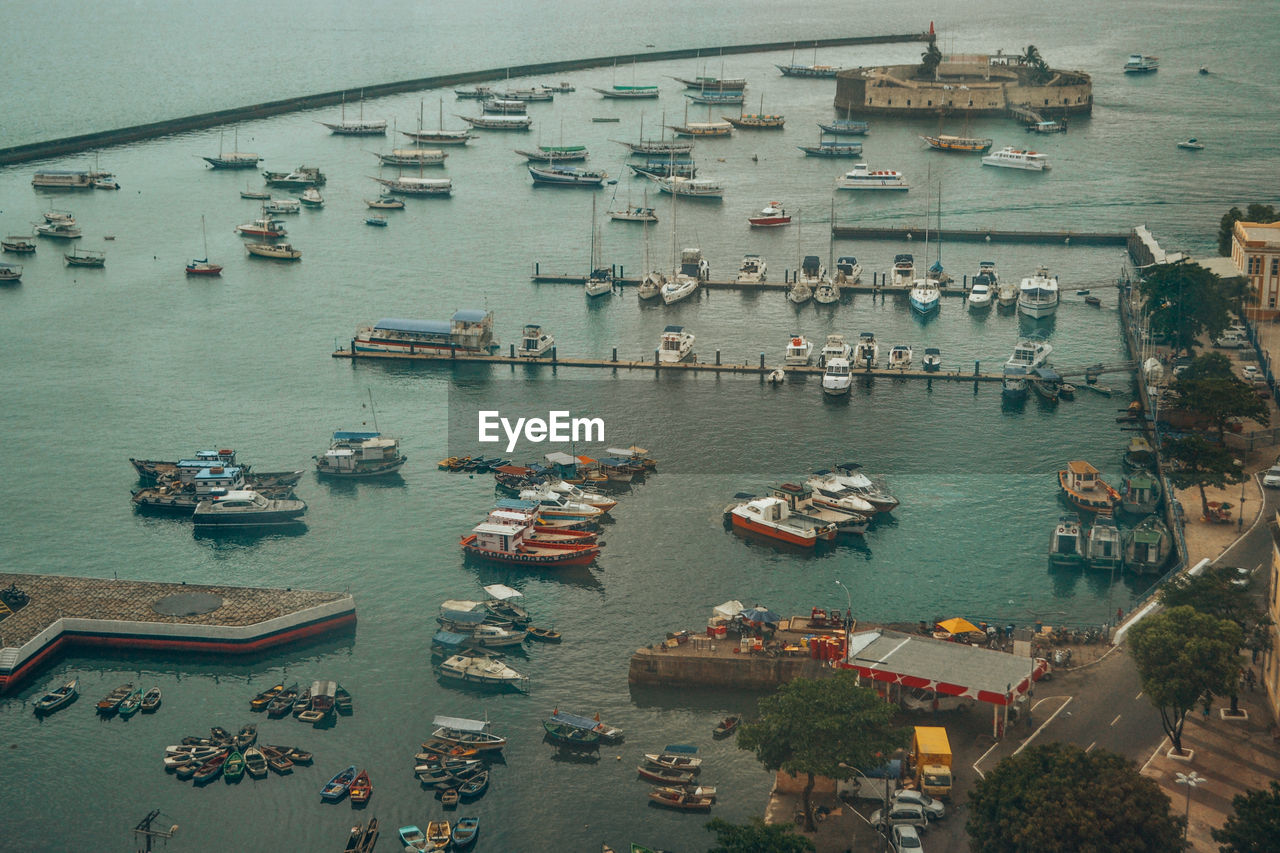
[930, 59]
[1057, 798]
[1209, 388]
[1185, 301]
[1226, 225]
[815, 726]
[1181, 656]
[1038, 69]
[756, 836]
[1255, 825]
[1198, 464]
[1217, 591]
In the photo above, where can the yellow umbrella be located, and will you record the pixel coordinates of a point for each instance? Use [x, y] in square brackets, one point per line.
[958, 626]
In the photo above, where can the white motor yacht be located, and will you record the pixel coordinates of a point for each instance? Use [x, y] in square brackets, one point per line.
[900, 357]
[837, 379]
[835, 347]
[980, 295]
[534, 342]
[1015, 158]
[752, 270]
[925, 296]
[904, 270]
[848, 270]
[799, 351]
[675, 345]
[1028, 355]
[1038, 295]
[867, 353]
[863, 177]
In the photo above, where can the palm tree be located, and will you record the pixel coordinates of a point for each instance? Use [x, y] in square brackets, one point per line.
[930, 59]
[1031, 57]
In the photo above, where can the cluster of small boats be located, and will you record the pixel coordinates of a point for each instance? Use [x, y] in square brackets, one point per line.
[673, 773]
[441, 835]
[215, 491]
[578, 732]
[125, 701]
[456, 762]
[203, 759]
[1146, 548]
[318, 704]
[362, 837]
[827, 504]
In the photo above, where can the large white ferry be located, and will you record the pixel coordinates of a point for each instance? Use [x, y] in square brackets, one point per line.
[1038, 295]
[1015, 158]
[862, 177]
[468, 331]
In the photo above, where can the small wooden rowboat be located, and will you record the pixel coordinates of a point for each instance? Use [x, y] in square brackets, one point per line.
[60, 698]
[727, 726]
[545, 635]
[361, 788]
[336, 788]
[449, 798]
[686, 763]
[151, 700]
[678, 799]
[663, 776]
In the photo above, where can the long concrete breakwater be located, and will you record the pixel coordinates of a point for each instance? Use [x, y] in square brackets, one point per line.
[120, 136]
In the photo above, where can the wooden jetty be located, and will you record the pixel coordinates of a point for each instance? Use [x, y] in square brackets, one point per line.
[981, 235]
[691, 365]
[147, 616]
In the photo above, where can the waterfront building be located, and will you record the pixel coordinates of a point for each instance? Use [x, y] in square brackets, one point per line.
[971, 85]
[1255, 253]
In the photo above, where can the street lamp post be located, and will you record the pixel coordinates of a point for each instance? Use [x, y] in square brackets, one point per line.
[848, 613]
[1240, 525]
[1191, 780]
[884, 814]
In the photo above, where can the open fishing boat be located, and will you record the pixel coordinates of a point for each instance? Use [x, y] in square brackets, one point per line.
[678, 799]
[361, 788]
[449, 798]
[474, 788]
[672, 761]
[151, 700]
[59, 698]
[413, 838]
[545, 635]
[263, 699]
[439, 835]
[110, 703]
[664, 776]
[465, 832]
[211, 769]
[337, 787]
[726, 727]
[255, 763]
[233, 767]
[469, 734]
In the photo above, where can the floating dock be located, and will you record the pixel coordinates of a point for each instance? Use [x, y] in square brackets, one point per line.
[983, 235]
[691, 365]
[145, 616]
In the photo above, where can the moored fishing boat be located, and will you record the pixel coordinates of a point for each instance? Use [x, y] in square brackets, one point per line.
[752, 270]
[10, 272]
[18, 244]
[361, 788]
[85, 258]
[690, 187]
[844, 127]
[727, 96]
[832, 148]
[337, 787]
[1016, 158]
[357, 127]
[211, 769]
[1083, 486]
[255, 763]
[151, 700]
[282, 205]
[499, 122]
[1148, 546]
[233, 159]
[772, 215]
[412, 157]
[674, 761]
[247, 508]
[1067, 544]
[412, 838]
[606, 733]
[554, 153]
[265, 227]
[67, 230]
[360, 454]
[439, 835]
[311, 197]
[110, 703]
[664, 775]
[629, 92]
[1138, 455]
[233, 767]
[58, 698]
[771, 517]
[483, 670]
[472, 734]
[679, 799]
[564, 734]
[1141, 495]
[1104, 546]
[966, 144]
[566, 176]
[465, 832]
[726, 727]
[406, 185]
[303, 176]
[665, 167]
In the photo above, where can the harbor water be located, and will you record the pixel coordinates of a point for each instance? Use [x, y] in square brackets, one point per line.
[135, 359]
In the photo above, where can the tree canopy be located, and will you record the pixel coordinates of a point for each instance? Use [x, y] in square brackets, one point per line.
[756, 836]
[1226, 226]
[1197, 463]
[1209, 388]
[1039, 68]
[930, 59]
[1185, 301]
[1057, 798]
[1181, 656]
[814, 726]
[1255, 825]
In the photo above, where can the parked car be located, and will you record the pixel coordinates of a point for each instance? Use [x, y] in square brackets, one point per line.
[1252, 373]
[907, 840]
[1232, 339]
[933, 809]
[901, 814]
[1271, 479]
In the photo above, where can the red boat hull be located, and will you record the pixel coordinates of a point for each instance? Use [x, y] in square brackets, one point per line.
[772, 532]
[547, 554]
[769, 221]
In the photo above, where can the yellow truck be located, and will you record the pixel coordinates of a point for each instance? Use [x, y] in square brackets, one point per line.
[931, 761]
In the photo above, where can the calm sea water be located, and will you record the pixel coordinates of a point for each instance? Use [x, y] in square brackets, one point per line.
[136, 360]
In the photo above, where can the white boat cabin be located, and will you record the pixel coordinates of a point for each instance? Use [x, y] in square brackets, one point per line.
[675, 345]
[1082, 477]
[218, 480]
[534, 342]
[506, 538]
[799, 351]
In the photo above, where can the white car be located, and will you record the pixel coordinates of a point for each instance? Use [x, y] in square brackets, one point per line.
[901, 814]
[934, 809]
[907, 840]
[1253, 374]
[1271, 479]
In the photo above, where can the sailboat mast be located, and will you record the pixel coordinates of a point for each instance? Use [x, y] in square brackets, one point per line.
[372, 410]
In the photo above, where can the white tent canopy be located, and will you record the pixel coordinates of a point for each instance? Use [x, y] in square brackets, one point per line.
[728, 610]
[502, 592]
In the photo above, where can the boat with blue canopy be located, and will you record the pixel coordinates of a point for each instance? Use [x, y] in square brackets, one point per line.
[608, 734]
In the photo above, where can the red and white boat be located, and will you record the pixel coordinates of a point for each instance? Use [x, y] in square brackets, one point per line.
[265, 227]
[540, 533]
[771, 517]
[772, 216]
[507, 543]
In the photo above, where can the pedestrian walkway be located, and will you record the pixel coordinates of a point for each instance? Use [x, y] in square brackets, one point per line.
[1232, 756]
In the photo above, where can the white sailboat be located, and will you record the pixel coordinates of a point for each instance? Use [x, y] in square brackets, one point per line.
[801, 290]
[599, 279]
[679, 286]
[925, 296]
[201, 266]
